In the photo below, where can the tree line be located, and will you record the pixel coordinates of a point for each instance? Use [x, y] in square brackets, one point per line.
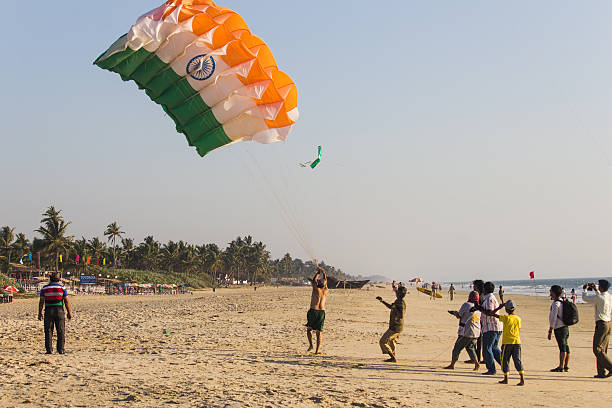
[244, 259]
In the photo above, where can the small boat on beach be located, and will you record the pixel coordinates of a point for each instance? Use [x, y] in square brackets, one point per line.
[334, 283]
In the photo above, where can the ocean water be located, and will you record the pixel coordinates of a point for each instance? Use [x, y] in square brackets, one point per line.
[534, 287]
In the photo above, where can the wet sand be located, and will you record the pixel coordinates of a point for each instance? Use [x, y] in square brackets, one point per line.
[240, 348]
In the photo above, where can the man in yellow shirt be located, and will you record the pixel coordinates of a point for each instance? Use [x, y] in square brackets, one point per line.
[511, 340]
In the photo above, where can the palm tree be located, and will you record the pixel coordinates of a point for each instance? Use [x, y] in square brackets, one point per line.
[113, 231]
[22, 244]
[7, 235]
[81, 248]
[149, 253]
[217, 264]
[96, 247]
[128, 250]
[53, 231]
[171, 255]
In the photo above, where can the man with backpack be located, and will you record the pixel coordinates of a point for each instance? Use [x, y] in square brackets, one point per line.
[560, 319]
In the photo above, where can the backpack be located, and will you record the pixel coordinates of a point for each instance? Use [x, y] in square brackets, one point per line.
[570, 313]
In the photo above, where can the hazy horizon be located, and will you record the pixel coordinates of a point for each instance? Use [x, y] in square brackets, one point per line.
[461, 140]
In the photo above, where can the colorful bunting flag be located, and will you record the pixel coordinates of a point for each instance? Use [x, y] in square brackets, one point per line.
[77, 258]
[60, 258]
[97, 261]
[88, 260]
[30, 256]
[104, 261]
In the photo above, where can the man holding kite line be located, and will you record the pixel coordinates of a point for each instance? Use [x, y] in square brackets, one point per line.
[316, 314]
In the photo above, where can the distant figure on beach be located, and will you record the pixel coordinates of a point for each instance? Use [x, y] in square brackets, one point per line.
[511, 341]
[451, 292]
[573, 294]
[394, 286]
[53, 298]
[561, 330]
[468, 332]
[501, 294]
[491, 330]
[563, 295]
[316, 314]
[432, 293]
[396, 323]
[603, 308]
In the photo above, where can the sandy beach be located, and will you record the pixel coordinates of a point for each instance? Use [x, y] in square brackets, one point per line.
[245, 348]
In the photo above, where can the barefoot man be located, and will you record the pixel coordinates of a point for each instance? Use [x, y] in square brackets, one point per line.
[316, 314]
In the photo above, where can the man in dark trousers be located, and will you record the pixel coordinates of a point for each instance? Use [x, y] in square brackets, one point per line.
[396, 323]
[602, 300]
[53, 298]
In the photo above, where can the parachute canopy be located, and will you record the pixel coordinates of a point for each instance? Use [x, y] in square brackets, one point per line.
[217, 81]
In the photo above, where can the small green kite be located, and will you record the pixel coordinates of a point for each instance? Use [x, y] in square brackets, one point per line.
[313, 164]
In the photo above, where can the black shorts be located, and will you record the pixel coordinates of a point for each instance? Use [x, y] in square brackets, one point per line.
[562, 337]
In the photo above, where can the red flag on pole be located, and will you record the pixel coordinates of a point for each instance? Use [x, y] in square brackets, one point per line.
[532, 275]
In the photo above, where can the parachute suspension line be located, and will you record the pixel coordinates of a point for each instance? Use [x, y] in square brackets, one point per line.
[288, 216]
[284, 171]
[288, 213]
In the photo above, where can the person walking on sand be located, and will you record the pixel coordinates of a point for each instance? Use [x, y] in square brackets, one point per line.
[468, 332]
[561, 330]
[53, 298]
[501, 294]
[491, 330]
[396, 323]
[603, 308]
[451, 292]
[316, 314]
[511, 340]
[573, 296]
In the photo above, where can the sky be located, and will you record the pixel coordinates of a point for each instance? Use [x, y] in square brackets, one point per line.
[461, 139]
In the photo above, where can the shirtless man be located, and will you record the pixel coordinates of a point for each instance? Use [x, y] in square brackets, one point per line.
[316, 314]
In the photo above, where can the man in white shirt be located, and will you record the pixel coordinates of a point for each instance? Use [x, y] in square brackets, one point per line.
[603, 309]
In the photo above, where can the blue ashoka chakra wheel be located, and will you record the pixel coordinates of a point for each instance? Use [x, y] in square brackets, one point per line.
[201, 67]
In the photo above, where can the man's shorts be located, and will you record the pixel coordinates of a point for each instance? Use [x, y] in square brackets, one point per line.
[316, 319]
[562, 337]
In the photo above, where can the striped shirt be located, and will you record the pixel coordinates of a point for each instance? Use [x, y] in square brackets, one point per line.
[54, 294]
[490, 323]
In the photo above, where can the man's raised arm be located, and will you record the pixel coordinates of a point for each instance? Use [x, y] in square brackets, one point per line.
[324, 274]
[315, 278]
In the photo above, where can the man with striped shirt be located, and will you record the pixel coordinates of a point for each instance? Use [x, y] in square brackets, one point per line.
[53, 298]
[491, 330]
